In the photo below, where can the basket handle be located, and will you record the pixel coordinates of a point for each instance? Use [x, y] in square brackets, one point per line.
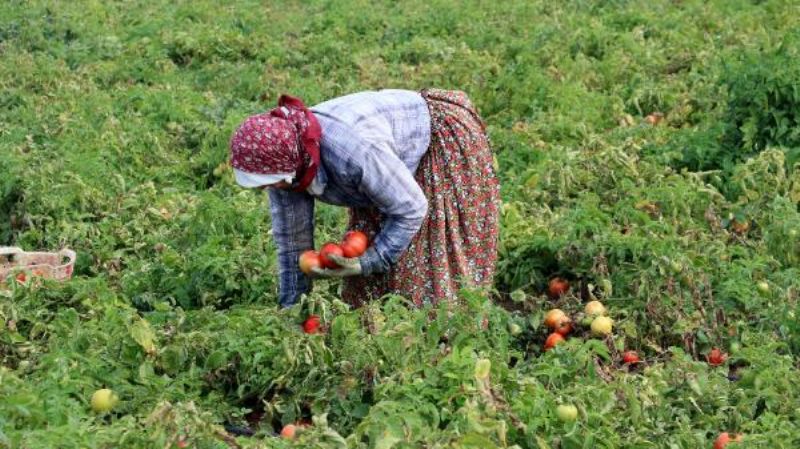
[9, 250]
[67, 254]
[8, 254]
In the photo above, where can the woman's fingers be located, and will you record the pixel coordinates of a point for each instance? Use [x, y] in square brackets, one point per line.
[320, 272]
[341, 260]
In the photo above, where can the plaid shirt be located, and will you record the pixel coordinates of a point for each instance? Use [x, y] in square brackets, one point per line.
[371, 145]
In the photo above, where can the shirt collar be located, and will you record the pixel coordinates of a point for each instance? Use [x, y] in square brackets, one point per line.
[317, 186]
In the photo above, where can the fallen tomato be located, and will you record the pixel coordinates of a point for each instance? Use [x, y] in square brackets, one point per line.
[552, 340]
[724, 438]
[554, 317]
[655, 118]
[716, 357]
[740, 227]
[103, 400]
[602, 326]
[567, 412]
[557, 287]
[288, 431]
[482, 368]
[594, 308]
[564, 327]
[630, 357]
[311, 325]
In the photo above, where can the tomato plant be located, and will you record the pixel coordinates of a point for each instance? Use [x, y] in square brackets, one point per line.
[647, 154]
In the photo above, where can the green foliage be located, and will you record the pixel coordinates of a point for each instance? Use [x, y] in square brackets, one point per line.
[114, 125]
[764, 97]
[10, 191]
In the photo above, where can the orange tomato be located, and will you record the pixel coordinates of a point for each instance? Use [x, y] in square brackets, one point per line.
[309, 260]
[554, 317]
[288, 431]
[724, 438]
[552, 340]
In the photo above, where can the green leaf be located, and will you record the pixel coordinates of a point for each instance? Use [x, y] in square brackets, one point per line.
[216, 360]
[143, 334]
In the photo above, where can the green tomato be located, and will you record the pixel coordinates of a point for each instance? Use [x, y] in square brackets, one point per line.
[567, 412]
[103, 400]
[602, 326]
[608, 289]
[482, 368]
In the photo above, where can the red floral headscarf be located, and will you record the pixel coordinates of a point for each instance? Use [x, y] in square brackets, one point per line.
[283, 140]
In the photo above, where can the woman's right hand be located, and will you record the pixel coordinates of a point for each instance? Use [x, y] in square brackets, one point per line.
[348, 266]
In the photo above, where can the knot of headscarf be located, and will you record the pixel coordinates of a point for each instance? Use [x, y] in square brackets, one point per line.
[282, 140]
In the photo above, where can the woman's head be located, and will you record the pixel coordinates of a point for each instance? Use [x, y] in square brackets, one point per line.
[281, 142]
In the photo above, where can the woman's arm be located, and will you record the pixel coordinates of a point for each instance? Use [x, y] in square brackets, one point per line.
[389, 184]
[293, 231]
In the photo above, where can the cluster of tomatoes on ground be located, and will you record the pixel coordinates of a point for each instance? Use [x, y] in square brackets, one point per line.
[354, 244]
[561, 325]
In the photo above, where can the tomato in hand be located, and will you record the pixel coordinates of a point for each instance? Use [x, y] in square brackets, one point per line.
[309, 260]
[328, 249]
[355, 243]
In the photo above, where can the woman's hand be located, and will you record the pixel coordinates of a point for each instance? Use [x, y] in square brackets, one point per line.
[348, 267]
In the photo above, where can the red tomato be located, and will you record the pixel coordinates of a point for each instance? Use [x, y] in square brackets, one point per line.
[724, 438]
[354, 244]
[21, 277]
[357, 240]
[311, 325]
[716, 357]
[564, 327]
[327, 249]
[552, 340]
[655, 118]
[630, 357]
[288, 431]
[308, 260]
[557, 287]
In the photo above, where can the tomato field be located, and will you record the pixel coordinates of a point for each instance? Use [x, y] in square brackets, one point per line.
[649, 155]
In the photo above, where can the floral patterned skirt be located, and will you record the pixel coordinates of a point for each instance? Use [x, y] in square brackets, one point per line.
[456, 246]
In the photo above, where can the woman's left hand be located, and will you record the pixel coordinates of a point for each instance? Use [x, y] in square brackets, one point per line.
[348, 267]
